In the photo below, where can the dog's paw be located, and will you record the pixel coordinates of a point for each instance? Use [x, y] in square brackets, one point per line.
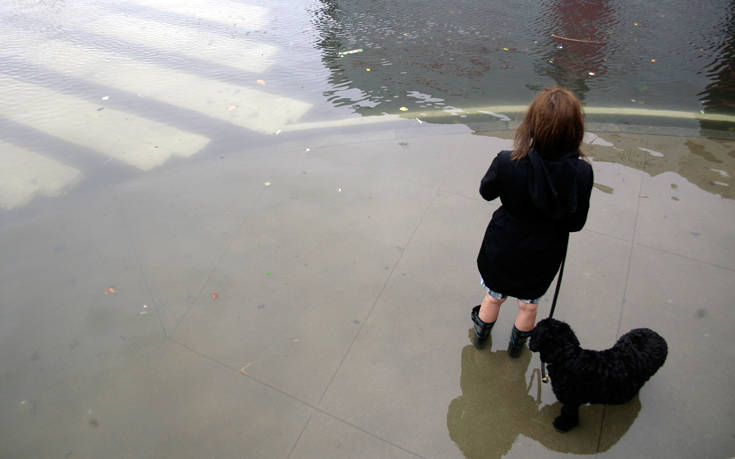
[563, 424]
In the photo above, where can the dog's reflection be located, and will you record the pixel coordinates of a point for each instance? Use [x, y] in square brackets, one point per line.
[498, 403]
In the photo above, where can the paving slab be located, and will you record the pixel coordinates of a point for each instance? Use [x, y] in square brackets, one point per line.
[344, 276]
[689, 303]
[304, 272]
[327, 437]
[679, 217]
[151, 400]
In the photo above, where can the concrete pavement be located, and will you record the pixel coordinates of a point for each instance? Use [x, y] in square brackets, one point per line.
[278, 302]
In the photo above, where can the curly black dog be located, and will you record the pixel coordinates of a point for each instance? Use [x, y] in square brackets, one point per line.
[580, 376]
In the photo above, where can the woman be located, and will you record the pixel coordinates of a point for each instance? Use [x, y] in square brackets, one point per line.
[544, 186]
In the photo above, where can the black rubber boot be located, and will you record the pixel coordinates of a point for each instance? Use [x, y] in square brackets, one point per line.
[482, 329]
[517, 340]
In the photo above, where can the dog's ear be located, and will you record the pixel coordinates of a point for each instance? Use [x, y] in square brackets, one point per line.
[538, 338]
[550, 337]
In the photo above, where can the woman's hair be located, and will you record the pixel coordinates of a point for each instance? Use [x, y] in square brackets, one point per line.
[553, 124]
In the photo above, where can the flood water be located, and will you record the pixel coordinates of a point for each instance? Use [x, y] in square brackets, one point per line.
[655, 55]
[89, 83]
[248, 228]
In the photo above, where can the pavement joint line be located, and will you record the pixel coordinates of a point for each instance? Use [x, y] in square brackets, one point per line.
[686, 257]
[211, 359]
[298, 439]
[216, 263]
[156, 303]
[377, 298]
[602, 426]
[612, 236]
[630, 259]
[286, 394]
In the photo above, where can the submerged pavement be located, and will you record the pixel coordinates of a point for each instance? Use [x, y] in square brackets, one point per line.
[311, 298]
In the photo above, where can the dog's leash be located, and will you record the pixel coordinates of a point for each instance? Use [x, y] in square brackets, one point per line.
[545, 378]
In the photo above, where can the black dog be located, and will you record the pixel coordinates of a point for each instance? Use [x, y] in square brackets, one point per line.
[580, 376]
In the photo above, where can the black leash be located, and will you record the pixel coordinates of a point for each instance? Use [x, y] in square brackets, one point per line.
[545, 378]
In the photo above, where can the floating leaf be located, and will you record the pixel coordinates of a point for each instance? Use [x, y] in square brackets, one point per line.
[214, 296]
[110, 290]
[261, 82]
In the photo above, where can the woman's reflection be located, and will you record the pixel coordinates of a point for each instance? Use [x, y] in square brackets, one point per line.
[498, 403]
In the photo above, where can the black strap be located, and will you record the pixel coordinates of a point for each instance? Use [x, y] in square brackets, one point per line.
[558, 281]
[544, 378]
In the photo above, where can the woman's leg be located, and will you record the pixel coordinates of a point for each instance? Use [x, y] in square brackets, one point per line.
[526, 318]
[489, 308]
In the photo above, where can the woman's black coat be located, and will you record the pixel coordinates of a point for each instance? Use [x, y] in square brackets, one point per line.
[543, 199]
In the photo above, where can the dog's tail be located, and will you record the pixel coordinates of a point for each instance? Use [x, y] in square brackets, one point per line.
[651, 347]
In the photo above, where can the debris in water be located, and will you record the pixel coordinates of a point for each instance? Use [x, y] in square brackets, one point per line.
[367, 69]
[242, 370]
[339, 190]
[352, 51]
[721, 172]
[578, 40]
[403, 109]
[653, 60]
[214, 296]
[500, 116]
[635, 24]
[267, 183]
[591, 73]
[260, 82]
[110, 291]
[105, 97]
[278, 131]
[506, 49]
[308, 150]
[420, 122]
[654, 153]
[231, 108]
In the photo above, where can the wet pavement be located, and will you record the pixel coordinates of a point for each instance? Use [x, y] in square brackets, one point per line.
[221, 239]
[312, 298]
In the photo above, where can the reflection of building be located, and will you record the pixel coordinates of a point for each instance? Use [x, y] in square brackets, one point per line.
[573, 61]
[719, 95]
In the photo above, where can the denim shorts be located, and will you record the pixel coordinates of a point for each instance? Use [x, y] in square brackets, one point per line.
[500, 296]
